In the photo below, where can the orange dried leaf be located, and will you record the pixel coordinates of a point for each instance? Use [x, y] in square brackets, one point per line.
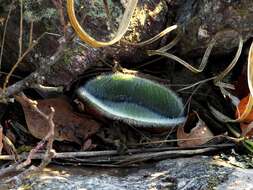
[198, 135]
[241, 107]
[247, 124]
[69, 126]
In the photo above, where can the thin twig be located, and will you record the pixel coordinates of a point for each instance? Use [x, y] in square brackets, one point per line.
[126, 160]
[195, 84]
[111, 153]
[31, 34]
[47, 89]
[175, 140]
[15, 76]
[50, 140]
[1, 138]
[20, 40]
[233, 62]
[4, 33]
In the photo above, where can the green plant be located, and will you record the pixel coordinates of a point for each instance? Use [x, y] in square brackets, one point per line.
[134, 100]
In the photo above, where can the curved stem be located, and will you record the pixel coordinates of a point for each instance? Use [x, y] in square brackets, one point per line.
[93, 42]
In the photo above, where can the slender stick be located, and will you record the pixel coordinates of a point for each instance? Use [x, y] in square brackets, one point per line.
[4, 34]
[20, 40]
[31, 34]
[109, 153]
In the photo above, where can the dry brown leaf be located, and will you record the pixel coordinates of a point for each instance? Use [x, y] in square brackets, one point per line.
[69, 126]
[198, 135]
[87, 145]
[9, 147]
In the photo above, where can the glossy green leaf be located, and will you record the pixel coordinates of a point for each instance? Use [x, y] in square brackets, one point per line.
[134, 100]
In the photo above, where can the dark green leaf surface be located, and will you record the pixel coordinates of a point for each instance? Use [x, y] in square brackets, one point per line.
[134, 100]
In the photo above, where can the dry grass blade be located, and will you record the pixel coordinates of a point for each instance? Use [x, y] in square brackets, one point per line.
[93, 42]
[233, 62]
[249, 105]
[204, 60]
[156, 37]
[184, 63]
[173, 42]
[250, 79]
[220, 116]
[250, 69]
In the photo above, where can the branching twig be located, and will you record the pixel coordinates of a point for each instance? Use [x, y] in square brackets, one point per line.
[50, 136]
[20, 59]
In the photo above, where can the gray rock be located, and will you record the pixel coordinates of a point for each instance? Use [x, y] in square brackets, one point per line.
[238, 179]
[201, 20]
[184, 173]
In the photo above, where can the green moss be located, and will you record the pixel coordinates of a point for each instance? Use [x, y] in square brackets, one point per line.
[242, 12]
[24, 148]
[68, 53]
[25, 187]
[37, 10]
[97, 9]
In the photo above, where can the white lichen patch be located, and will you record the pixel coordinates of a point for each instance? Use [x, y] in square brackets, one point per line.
[203, 33]
[158, 9]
